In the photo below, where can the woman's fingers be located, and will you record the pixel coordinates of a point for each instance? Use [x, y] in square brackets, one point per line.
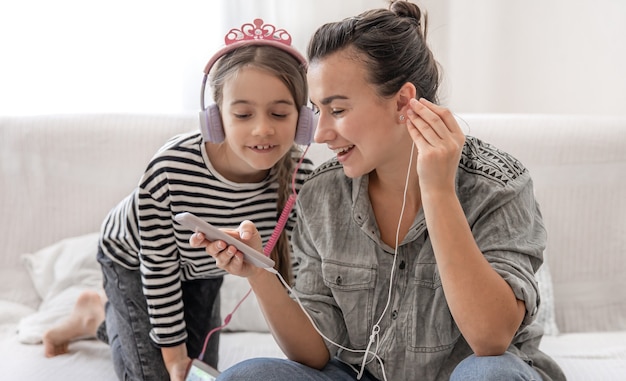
[198, 240]
[427, 123]
[228, 257]
[444, 114]
[439, 142]
[433, 124]
[219, 250]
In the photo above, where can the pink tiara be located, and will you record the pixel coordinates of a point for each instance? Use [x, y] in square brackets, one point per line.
[257, 31]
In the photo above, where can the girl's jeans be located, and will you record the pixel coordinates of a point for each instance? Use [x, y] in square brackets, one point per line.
[127, 326]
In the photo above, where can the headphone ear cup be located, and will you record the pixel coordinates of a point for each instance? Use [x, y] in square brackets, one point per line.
[211, 124]
[305, 130]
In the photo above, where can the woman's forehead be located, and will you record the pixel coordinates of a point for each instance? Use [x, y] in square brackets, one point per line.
[337, 75]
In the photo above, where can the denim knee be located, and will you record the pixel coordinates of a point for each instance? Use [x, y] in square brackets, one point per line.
[254, 369]
[276, 369]
[503, 367]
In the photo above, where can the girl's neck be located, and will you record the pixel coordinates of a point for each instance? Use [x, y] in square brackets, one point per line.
[231, 167]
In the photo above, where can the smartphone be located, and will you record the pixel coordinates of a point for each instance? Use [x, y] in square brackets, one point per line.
[200, 371]
[212, 233]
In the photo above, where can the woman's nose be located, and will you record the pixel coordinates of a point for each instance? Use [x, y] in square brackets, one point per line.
[323, 132]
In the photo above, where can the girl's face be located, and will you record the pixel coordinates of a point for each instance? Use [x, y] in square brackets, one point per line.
[361, 127]
[259, 116]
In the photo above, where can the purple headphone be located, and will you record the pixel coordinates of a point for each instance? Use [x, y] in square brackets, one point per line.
[253, 34]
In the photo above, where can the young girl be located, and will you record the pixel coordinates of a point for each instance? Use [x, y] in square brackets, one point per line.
[162, 294]
[417, 246]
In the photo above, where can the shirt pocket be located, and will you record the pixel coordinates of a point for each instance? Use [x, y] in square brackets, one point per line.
[431, 328]
[352, 287]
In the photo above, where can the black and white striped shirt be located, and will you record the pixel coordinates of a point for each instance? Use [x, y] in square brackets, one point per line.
[140, 232]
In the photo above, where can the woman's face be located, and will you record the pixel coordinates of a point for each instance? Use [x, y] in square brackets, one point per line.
[354, 121]
[259, 116]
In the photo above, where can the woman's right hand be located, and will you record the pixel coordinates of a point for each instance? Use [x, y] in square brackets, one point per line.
[227, 257]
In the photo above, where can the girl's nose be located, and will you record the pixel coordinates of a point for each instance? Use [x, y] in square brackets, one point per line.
[264, 127]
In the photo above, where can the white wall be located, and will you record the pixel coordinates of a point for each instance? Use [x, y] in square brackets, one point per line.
[532, 56]
[535, 56]
[100, 56]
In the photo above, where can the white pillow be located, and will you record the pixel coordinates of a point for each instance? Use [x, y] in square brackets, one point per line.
[546, 314]
[248, 316]
[59, 272]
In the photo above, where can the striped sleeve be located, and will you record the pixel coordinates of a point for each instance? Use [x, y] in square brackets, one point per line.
[181, 179]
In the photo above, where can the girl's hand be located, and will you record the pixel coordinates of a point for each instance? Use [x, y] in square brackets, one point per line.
[227, 257]
[439, 141]
[178, 370]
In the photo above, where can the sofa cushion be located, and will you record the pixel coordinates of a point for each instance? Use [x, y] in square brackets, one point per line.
[578, 177]
[59, 273]
[60, 175]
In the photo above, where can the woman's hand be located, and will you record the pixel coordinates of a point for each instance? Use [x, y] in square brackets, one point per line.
[439, 141]
[227, 257]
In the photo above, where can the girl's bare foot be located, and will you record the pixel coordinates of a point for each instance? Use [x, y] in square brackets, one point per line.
[83, 322]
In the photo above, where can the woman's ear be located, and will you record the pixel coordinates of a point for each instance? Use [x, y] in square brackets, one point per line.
[403, 96]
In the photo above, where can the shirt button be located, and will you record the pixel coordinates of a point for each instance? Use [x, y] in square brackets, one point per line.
[338, 280]
[394, 315]
[402, 265]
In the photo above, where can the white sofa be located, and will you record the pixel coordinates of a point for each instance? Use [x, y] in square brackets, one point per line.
[60, 174]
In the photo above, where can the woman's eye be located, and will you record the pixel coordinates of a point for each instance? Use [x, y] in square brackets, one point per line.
[336, 111]
[241, 116]
[280, 116]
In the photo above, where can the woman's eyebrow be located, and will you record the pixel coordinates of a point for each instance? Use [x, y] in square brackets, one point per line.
[331, 98]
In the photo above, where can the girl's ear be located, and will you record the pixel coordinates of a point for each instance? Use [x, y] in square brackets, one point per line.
[403, 96]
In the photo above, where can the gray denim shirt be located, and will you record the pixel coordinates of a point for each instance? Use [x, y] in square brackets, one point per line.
[345, 268]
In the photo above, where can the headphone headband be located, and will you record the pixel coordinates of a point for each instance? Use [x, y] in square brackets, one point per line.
[233, 46]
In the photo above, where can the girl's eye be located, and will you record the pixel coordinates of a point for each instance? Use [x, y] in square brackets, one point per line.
[241, 116]
[336, 111]
[280, 116]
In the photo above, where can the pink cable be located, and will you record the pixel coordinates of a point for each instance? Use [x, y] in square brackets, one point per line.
[267, 250]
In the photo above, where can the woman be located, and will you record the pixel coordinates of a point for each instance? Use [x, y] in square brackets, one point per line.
[417, 245]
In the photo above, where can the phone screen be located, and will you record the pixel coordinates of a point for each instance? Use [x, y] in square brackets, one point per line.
[200, 372]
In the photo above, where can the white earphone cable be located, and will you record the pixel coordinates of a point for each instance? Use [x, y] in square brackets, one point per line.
[376, 327]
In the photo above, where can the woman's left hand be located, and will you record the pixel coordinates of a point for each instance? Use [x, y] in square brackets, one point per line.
[439, 141]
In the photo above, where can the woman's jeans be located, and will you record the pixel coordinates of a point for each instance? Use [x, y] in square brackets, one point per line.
[496, 368]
